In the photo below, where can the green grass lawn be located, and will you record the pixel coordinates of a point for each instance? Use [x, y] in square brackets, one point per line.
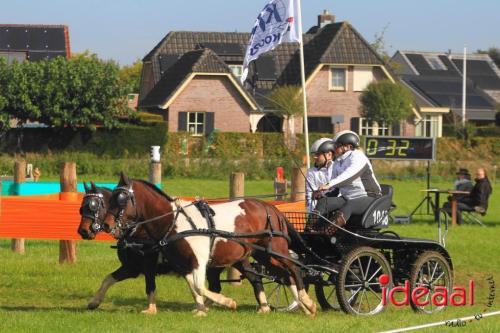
[39, 295]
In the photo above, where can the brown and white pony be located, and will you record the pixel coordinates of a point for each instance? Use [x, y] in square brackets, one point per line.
[135, 201]
[133, 262]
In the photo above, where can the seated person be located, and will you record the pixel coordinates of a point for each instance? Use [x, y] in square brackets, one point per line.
[463, 183]
[477, 199]
[353, 176]
[321, 173]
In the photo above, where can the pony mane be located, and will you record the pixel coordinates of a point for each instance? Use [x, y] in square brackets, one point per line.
[156, 189]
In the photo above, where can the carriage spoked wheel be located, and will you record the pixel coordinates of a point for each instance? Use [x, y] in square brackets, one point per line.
[279, 296]
[325, 291]
[358, 287]
[430, 270]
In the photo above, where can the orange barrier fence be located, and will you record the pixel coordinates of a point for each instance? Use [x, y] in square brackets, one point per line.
[42, 217]
[56, 216]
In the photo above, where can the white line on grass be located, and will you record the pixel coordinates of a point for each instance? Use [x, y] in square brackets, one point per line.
[441, 323]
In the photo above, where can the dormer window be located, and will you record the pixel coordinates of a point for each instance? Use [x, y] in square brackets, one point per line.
[436, 63]
[237, 70]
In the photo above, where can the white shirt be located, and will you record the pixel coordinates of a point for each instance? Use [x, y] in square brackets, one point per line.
[314, 179]
[353, 176]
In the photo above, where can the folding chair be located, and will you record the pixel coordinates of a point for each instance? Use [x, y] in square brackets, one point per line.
[472, 216]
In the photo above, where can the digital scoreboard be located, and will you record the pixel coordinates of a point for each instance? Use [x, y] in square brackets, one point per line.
[399, 148]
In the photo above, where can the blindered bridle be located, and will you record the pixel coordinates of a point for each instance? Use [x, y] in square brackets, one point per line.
[123, 195]
[94, 202]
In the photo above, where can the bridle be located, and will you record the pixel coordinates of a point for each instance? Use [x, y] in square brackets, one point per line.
[94, 203]
[123, 195]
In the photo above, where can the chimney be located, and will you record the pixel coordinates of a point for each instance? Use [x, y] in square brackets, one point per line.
[325, 18]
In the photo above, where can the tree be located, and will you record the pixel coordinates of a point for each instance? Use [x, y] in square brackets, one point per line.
[79, 92]
[130, 76]
[287, 101]
[388, 102]
[494, 54]
[4, 116]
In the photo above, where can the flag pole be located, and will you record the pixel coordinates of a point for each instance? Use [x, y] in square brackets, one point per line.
[464, 87]
[303, 83]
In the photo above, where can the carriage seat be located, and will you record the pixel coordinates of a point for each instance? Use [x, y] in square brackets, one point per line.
[377, 214]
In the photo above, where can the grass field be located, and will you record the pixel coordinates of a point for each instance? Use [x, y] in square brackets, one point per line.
[39, 295]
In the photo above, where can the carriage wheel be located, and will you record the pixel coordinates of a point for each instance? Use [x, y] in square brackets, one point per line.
[430, 270]
[279, 297]
[359, 290]
[325, 291]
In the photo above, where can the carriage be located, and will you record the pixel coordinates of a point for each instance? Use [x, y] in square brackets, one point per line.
[356, 268]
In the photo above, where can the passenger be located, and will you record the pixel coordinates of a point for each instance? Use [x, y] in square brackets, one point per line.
[463, 183]
[322, 151]
[477, 200]
[353, 176]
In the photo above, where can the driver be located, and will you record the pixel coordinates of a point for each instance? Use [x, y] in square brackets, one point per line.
[353, 176]
[322, 151]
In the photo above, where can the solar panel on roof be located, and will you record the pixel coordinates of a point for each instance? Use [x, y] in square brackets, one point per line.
[166, 61]
[17, 38]
[266, 68]
[55, 39]
[477, 67]
[224, 48]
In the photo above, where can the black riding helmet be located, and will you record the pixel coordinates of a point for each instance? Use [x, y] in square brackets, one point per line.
[345, 138]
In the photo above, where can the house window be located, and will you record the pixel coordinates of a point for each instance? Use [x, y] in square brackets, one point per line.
[436, 63]
[362, 77]
[338, 78]
[196, 123]
[13, 56]
[428, 126]
[373, 128]
[319, 124]
[237, 70]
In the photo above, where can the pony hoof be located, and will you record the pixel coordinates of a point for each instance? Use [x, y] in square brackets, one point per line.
[199, 313]
[312, 309]
[264, 309]
[149, 311]
[93, 305]
[232, 305]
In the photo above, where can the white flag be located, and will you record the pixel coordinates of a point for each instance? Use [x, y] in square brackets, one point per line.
[276, 24]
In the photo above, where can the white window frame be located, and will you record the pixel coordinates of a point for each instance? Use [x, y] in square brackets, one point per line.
[196, 123]
[237, 70]
[374, 128]
[435, 122]
[363, 75]
[333, 87]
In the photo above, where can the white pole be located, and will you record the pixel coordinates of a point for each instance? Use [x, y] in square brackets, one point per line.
[464, 86]
[303, 82]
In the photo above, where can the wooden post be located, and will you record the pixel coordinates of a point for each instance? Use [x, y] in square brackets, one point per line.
[298, 185]
[236, 185]
[155, 172]
[236, 190]
[17, 244]
[67, 248]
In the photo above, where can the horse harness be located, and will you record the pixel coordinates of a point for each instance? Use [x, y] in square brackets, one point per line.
[128, 241]
[95, 202]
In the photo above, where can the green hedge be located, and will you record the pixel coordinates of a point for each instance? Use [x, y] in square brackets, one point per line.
[129, 140]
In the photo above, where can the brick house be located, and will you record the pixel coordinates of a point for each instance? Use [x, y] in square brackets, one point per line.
[192, 79]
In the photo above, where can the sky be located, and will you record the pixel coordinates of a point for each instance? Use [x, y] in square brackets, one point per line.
[127, 30]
